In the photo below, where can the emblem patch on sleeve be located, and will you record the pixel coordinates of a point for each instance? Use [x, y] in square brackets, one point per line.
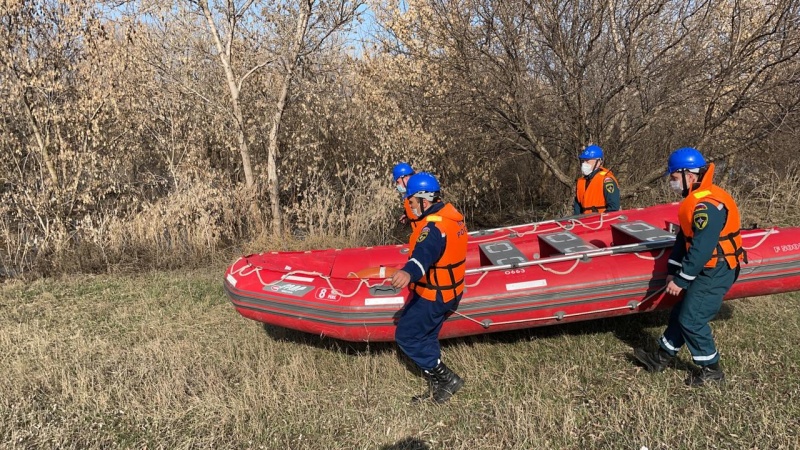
[700, 220]
[423, 234]
[609, 187]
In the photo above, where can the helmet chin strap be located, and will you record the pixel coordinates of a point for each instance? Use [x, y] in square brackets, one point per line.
[685, 191]
[422, 207]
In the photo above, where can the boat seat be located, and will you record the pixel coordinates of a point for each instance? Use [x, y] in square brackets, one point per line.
[500, 253]
[562, 243]
[638, 231]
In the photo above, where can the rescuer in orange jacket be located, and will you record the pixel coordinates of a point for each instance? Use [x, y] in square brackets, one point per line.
[597, 190]
[704, 263]
[401, 172]
[435, 275]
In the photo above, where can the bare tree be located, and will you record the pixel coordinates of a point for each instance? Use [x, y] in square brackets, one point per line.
[232, 15]
[291, 62]
[254, 42]
[638, 77]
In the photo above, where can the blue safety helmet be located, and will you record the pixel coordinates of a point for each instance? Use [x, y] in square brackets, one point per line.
[686, 158]
[591, 152]
[422, 185]
[400, 170]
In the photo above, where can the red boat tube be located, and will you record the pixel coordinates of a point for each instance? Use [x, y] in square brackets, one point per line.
[518, 277]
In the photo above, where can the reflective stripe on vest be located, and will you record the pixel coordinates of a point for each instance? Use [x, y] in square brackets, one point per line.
[446, 275]
[729, 246]
[590, 193]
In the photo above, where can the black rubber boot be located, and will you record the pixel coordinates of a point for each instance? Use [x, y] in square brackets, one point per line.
[707, 374]
[446, 383]
[433, 384]
[655, 361]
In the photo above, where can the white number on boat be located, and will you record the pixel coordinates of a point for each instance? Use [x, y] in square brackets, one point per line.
[787, 247]
[514, 271]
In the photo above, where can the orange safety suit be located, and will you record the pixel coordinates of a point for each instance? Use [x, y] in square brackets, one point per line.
[730, 239]
[445, 275]
[592, 197]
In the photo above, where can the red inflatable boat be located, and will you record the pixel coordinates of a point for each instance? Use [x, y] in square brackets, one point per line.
[517, 277]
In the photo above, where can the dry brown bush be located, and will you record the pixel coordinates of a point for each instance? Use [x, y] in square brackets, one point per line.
[770, 198]
[119, 149]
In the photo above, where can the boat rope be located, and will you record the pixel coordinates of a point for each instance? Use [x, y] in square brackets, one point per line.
[769, 232]
[651, 258]
[257, 270]
[360, 282]
[571, 223]
[470, 319]
[512, 228]
[477, 282]
[637, 254]
[576, 258]
[657, 291]
[566, 272]
[483, 271]
[599, 223]
[248, 269]
[560, 315]
[254, 269]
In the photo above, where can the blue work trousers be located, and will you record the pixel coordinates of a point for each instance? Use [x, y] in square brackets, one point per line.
[417, 331]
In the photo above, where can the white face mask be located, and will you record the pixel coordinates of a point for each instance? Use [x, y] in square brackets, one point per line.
[418, 210]
[401, 189]
[586, 168]
[676, 186]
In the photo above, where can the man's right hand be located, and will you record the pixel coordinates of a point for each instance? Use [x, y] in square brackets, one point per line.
[403, 219]
[400, 279]
[673, 289]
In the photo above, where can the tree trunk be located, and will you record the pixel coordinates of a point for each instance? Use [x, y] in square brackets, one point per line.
[48, 163]
[224, 52]
[272, 153]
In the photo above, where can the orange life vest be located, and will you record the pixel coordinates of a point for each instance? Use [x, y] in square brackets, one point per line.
[729, 247]
[446, 275]
[413, 220]
[592, 197]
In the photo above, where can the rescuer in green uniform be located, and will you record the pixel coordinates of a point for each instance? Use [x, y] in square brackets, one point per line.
[704, 264]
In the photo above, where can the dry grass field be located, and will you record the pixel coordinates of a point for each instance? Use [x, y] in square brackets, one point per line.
[162, 360]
